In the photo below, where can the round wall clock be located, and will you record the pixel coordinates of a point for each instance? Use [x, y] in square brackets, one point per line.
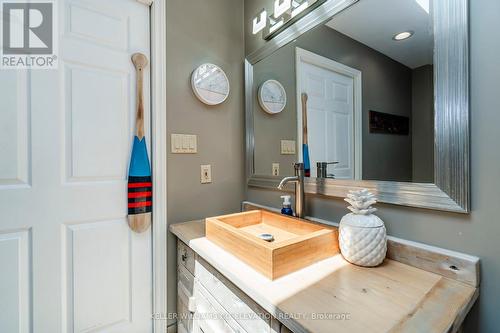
[210, 84]
[272, 97]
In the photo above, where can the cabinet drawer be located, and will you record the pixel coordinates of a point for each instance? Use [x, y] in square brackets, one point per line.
[213, 326]
[186, 305]
[248, 314]
[210, 317]
[186, 279]
[185, 318]
[185, 256]
[183, 295]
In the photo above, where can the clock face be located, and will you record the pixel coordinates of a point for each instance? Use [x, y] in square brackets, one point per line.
[272, 96]
[210, 84]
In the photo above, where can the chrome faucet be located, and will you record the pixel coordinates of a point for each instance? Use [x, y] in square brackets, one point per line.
[322, 171]
[298, 179]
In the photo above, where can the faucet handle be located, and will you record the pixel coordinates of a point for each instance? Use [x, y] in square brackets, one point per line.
[324, 164]
[298, 166]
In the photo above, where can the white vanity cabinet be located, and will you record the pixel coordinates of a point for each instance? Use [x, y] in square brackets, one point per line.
[214, 289]
[208, 303]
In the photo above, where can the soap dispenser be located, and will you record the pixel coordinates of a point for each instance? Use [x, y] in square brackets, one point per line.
[287, 205]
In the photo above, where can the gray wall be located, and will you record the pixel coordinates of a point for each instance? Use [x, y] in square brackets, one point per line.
[271, 129]
[478, 232]
[422, 123]
[201, 31]
[386, 87]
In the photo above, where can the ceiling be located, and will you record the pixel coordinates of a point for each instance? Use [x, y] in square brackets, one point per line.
[375, 22]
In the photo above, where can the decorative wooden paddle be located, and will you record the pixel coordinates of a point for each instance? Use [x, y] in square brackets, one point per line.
[139, 173]
[305, 148]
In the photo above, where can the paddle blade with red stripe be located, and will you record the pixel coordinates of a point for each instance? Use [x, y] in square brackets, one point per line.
[140, 188]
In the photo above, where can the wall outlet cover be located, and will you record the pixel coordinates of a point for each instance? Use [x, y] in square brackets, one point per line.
[276, 169]
[206, 174]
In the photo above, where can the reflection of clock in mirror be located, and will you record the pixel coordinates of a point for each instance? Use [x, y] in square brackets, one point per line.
[210, 84]
[272, 97]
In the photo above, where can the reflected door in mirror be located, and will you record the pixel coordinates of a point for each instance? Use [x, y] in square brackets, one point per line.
[330, 115]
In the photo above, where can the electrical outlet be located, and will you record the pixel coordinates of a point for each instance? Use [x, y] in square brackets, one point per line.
[276, 169]
[206, 174]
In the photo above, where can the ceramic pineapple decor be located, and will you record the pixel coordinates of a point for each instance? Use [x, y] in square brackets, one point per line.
[362, 235]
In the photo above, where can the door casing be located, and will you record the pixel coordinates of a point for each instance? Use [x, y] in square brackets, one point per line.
[159, 162]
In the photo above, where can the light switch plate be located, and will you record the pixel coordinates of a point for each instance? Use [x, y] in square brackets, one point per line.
[184, 144]
[206, 174]
[287, 147]
[276, 169]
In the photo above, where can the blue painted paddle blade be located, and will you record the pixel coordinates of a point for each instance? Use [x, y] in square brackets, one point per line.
[139, 180]
[139, 161]
[305, 158]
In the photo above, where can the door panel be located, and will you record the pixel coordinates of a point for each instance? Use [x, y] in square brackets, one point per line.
[330, 115]
[15, 314]
[99, 264]
[109, 26]
[72, 263]
[14, 128]
[97, 126]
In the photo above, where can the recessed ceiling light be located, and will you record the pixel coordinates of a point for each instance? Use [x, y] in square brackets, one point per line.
[403, 35]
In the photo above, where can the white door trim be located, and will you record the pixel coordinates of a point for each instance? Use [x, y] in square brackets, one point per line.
[304, 56]
[159, 163]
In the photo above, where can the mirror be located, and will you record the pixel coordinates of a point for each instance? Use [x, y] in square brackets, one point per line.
[370, 102]
[370, 96]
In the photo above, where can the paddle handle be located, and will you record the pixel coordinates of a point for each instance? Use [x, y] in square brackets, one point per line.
[140, 62]
[304, 118]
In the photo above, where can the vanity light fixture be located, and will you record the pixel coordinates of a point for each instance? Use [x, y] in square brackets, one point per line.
[299, 8]
[403, 35]
[259, 22]
[275, 25]
[285, 13]
[281, 7]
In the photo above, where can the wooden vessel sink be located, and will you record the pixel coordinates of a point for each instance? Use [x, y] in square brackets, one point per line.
[296, 243]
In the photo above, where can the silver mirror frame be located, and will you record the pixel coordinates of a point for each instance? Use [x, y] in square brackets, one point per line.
[450, 191]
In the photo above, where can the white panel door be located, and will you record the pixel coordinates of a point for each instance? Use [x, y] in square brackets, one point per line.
[330, 119]
[68, 260]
